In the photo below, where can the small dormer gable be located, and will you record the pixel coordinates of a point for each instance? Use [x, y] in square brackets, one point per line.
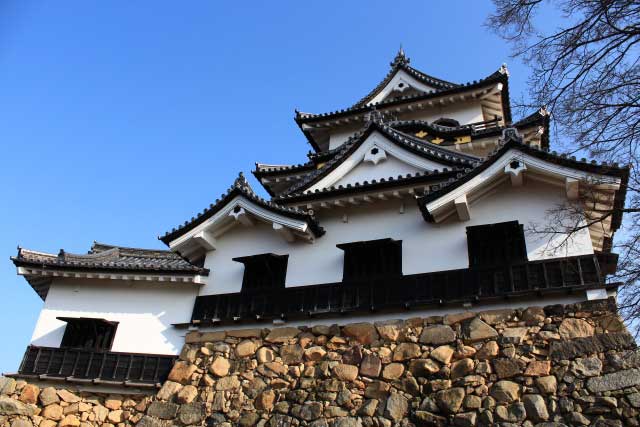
[239, 207]
[377, 153]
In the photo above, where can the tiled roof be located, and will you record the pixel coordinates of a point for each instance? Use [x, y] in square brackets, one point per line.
[511, 139]
[269, 170]
[411, 143]
[499, 76]
[401, 62]
[110, 257]
[242, 187]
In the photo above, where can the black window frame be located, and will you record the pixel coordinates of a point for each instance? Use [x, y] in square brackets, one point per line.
[88, 333]
[493, 245]
[371, 259]
[263, 271]
[447, 122]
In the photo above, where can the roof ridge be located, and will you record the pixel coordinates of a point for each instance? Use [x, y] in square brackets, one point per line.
[241, 185]
[511, 137]
[499, 74]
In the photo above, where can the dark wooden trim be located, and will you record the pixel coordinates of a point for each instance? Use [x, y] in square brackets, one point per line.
[80, 364]
[533, 278]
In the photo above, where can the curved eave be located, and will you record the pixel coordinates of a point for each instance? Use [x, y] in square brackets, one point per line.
[412, 144]
[208, 213]
[267, 170]
[373, 186]
[497, 77]
[561, 160]
[404, 66]
[99, 269]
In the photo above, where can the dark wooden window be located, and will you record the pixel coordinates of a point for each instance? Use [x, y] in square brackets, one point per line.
[450, 123]
[88, 333]
[264, 271]
[372, 259]
[496, 244]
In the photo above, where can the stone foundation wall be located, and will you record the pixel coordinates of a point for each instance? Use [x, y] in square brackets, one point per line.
[550, 366]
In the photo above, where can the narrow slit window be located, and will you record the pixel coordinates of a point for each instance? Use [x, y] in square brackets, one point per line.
[88, 333]
[372, 259]
[264, 271]
[497, 244]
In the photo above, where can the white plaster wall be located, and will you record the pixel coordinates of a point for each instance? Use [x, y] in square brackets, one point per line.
[366, 171]
[399, 161]
[426, 247]
[400, 77]
[145, 312]
[465, 113]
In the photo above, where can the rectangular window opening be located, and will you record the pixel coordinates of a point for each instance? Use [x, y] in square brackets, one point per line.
[264, 271]
[493, 245]
[88, 333]
[372, 259]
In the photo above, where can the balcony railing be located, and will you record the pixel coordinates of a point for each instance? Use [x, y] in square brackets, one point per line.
[485, 125]
[95, 366]
[408, 291]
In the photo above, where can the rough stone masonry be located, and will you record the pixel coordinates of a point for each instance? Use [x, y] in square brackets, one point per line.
[572, 365]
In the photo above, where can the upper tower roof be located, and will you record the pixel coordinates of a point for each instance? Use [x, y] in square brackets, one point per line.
[399, 66]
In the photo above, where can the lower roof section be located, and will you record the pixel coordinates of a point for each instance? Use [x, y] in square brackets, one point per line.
[529, 279]
[104, 262]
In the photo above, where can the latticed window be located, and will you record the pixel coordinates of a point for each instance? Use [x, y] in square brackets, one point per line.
[264, 271]
[372, 259]
[496, 244]
[88, 333]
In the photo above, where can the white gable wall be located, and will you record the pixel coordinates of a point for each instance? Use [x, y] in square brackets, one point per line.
[401, 77]
[353, 168]
[426, 247]
[366, 171]
[145, 312]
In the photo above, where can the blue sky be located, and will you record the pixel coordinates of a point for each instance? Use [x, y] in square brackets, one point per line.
[120, 119]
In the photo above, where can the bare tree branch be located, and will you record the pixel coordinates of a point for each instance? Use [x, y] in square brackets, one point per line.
[588, 74]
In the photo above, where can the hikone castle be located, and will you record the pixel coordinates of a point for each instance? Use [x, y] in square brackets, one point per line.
[398, 276]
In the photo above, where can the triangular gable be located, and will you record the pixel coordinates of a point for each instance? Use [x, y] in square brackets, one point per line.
[417, 154]
[400, 84]
[513, 162]
[401, 79]
[377, 157]
[240, 205]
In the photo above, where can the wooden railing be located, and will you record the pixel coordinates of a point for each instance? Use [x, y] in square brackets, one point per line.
[408, 291]
[107, 366]
[484, 125]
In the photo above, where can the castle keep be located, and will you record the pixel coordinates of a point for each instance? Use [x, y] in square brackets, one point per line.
[394, 278]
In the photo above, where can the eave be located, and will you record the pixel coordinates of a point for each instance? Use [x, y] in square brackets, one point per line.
[438, 203]
[382, 189]
[239, 205]
[358, 114]
[40, 276]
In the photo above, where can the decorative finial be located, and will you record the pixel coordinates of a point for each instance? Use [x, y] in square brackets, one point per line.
[510, 134]
[241, 182]
[504, 69]
[400, 58]
[373, 116]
